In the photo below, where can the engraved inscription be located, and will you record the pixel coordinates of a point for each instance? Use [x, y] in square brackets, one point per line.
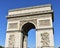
[44, 22]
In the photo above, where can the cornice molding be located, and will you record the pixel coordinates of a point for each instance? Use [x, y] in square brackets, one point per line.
[44, 28]
[29, 14]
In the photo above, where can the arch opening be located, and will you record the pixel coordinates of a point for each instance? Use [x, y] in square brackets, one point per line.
[27, 30]
[26, 27]
[32, 38]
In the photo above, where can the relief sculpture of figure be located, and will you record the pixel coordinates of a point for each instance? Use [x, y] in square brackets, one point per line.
[11, 41]
[45, 39]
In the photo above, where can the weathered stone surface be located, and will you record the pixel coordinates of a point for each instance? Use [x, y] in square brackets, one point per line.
[22, 20]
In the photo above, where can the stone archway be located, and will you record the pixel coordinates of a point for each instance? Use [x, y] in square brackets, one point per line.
[21, 20]
[25, 29]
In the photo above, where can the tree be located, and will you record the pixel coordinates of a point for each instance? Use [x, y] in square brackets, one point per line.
[1, 47]
[58, 47]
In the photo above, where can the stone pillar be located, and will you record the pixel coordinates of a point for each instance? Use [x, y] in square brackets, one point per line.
[21, 40]
[44, 33]
[25, 41]
[18, 39]
[44, 38]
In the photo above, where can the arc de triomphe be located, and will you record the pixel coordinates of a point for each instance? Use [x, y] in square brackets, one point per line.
[20, 21]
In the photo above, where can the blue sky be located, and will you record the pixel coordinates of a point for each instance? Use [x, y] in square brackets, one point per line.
[5, 5]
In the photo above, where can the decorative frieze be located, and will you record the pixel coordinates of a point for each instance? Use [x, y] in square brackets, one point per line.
[44, 22]
[12, 25]
[30, 17]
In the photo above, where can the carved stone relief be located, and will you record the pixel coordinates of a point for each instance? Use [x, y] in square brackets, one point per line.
[11, 41]
[45, 39]
[44, 22]
[12, 25]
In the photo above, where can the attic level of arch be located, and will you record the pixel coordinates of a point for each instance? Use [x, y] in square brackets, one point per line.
[30, 11]
[31, 14]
